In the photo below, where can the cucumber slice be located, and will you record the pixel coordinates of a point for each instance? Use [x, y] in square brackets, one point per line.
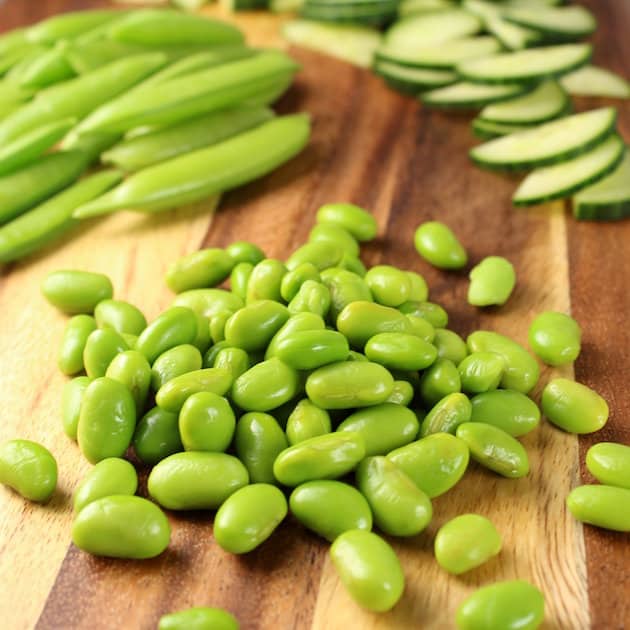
[609, 198]
[544, 103]
[526, 65]
[440, 56]
[376, 16]
[552, 142]
[413, 80]
[533, 3]
[468, 95]
[594, 81]
[557, 23]
[562, 180]
[355, 44]
[285, 6]
[487, 130]
[409, 7]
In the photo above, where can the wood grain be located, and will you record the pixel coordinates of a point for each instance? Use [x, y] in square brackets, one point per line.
[381, 150]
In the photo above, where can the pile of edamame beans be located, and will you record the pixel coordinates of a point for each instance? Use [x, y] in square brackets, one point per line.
[316, 378]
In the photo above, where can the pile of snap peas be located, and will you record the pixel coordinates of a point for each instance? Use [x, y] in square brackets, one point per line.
[176, 105]
[316, 378]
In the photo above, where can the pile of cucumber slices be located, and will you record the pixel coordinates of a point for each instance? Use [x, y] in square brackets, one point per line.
[518, 62]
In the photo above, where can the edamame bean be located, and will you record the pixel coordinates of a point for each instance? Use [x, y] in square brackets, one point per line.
[555, 337]
[310, 349]
[206, 423]
[252, 327]
[213, 351]
[307, 421]
[175, 362]
[203, 338]
[506, 409]
[75, 337]
[352, 263]
[383, 427]
[121, 526]
[29, 468]
[323, 457]
[209, 302]
[419, 291]
[389, 286]
[509, 605]
[438, 381]
[100, 349]
[573, 407]
[481, 372]
[71, 404]
[447, 415]
[402, 393]
[600, 505]
[437, 244]
[450, 345]
[322, 254]
[132, 370]
[400, 351]
[433, 313]
[337, 235]
[239, 278]
[174, 327]
[495, 449]
[234, 360]
[466, 542]
[360, 223]
[200, 618]
[369, 569]
[295, 323]
[313, 297]
[491, 282]
[196, 481]
[173, 394]
[265, 281]
[435, 463]
[399, 507]
[199, 270]
[421, 328]
[244, 251]
[293, 280]
[330, 508]
[609, 463]
[157, 436]
[76, 291]
[107, 420]
[349, 384]
[359, 321]
[248, 517]
[121, 316]
[217, 326]
[111, 476]
[345, 287]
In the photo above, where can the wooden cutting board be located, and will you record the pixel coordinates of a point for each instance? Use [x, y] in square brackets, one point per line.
[383, 151]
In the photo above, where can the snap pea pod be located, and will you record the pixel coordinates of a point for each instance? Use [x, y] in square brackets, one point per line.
[86, 56]
[49, 68]
[91, 144]
[202, 173]
[12, 64]
[12, 40]
[69, 25]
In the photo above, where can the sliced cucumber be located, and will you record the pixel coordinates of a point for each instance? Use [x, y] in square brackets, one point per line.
[409, 7]
[285, 6]
[562, 180]
[533, 3]
[526, 65]
[595, 81]
[440, 56]
[486, 129]
[376, 16]
[552, 142]
[546, 102]
[413, 80]
[469, 95]
[609, 198]
[554, 22]
[355, 44]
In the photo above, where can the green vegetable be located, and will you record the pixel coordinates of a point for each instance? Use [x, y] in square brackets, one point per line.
[322, 254]
[76, 291]
[293, 280]
[208, 302]
[359, 222]
[594, 81]
[265, 281]
[201, 269]
[307, 421]
[174, 362]
[555, 338]
[310, 349]
[558, 23]
[491, 282]
[509, 410]
[337, 235]
[206, 423]
[252, 327]
[447, 414]
[239, 278]
[346, 287]
[175, 326]
[437, 244]
[402, 394]
[100, 349]
[111, 476]
[71, 399]
[469, 95]
[312, 297]
[434, 314]
[69, 25]
[481, 372]
[29, 468]
[199, 618]
[603, 506]
[609, 463]
[157, 436]
[439, 380]
[234, 360]
[132, 370]
[75, 336]
[123, 317]
[361, 320]
[175, 392]
[400, 351]
[450, 346]
[389, 286]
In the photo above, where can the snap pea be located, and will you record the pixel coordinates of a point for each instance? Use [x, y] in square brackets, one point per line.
[435, 463]
[509, 410]
[199, 618]
[91, 144]
[495, 449]
[174, 362]
[438, 381]
[108, 477]
[609, 463]
[86, 54]
[602, 506]
[433, 313]
[337, 235]
[71, 404]
[248, 517]
[69, 25]
[244, 251]
[121, 526]
[132, 370]
[323, 457]
[310, 349]
[573, 407]
[307, 421]
[209, 302]
[157, 436]
[76, 291]
[481, 372]
[49, 68]
[450, 345]
[437, 244]
[196, 481]
[75, 336]
[491, 282]
[418, 289]
[360, 223]
[107, 420]
[389, 286]
[466, 542]
[239, 278]
[29, 468]
[330, 508]
[174, 327]
[206, 423]
[296, 323]
[555, 338]
[252, 327]
[402, 393]
[293, 280]
[313, 297]
[202, 269]
[360, 320]
[234, 360]
[121, 316]
[509, 605]
[400, 351]
[345, 287]
[174, 393]
[446, 415]
[265, 281]
[10, 40]
[100, 349]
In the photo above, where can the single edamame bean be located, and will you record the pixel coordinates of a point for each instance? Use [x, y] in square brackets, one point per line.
[400, 351]
[71, 404]
[421, 328]
[248, 517]
[310, 349]
[359, 321]
[389, 286]
[345, 287]
[307, 421]
[265, 281]
[491, 282]
[111, 476]
[433, 313]
[244, 251]
[234, 360]
[121, 316]
[196, 481]
[419, 291]
[206, 423]
[29, 468]
[402, 394]
[601, 505]
[294, 279]
[175, 362]
[352, 263]
[447, 415]
[383, 427]
[437, 244]
[609, 463]
[435, 463]
[438, 381]
[173, 394]
[369, 569]
[360, 223]
[323, 457]
[330, 508]
[132, 370]
[450, 345]
[157, 436]
[100, 349]
[76, 291]
[466, 542]
[322, 254]
[555, 337]
[75, 337]
[213, 351]
[337, 235]
[506, 409]
[295, 323]
[495, 449]
[200, 618]
[573, 407]
[209, 302]
[203, 339]
[202, 269]
[121, 526]
[509, 605]
[252, 327]
[239, 278]
[481, 372]
[174, 327]
[313, 297]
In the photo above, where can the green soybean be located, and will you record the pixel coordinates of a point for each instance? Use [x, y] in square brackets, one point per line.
[296, 323]
[252, 327]
[132, 370]
[206, 423]
[100, 349]
[213, 351]
[433, 313]
[419, 291]
[359, 321]
[75, 336]
[71, 399]
[244, 251]
[481, 372]
[310, 349]
[447, 415]
[121, 316]
[421, 328]
[173, 394]
[322, 254]
[360, 223]
[157, 436]
[202, 269]
[495, 449]
[389, 286]
[265, 281]
[353, 264]
[196, 481]
[239, 278]
[555, 337]
[199, 618]
[121, 526]
[29, 468]
[111, 476]
[450, 345]
[601, 505]
[330, 508]
[345, 287]
[438, 381]
[437, 244]
[402, 393]
[491, 282]
[174, 327]
[313, 297]
[234, 360]
[76, 291]
[293, 280]
[203, 338]
[337, 235]
[307, 421]
[609, 463]
[174, 362]
[209, 302]
[506, 409]
[249, 517]
[400, 351]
